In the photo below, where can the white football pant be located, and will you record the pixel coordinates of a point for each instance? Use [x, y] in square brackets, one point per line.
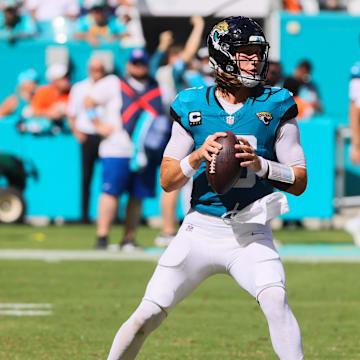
[206, 246]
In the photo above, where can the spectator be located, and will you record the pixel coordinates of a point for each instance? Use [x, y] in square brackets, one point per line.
[19, 101]
[129, 15]
[171, 80]
[165, 41]
[13, 25]
[141, 112]
[97, 26]
[293, 6]
[274, 75]
[45, 10]
[115, 151]
[201, 73]
[353, 224]
[333, 5]
[171, 76]
[50, 101]
[305, 91]
[84, 130]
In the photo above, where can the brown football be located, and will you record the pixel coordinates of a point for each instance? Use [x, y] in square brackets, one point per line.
[224, 170]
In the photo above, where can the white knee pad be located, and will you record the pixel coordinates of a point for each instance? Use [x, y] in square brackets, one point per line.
[130, 337]
[147, 317]
[284, 329]
[273, 301]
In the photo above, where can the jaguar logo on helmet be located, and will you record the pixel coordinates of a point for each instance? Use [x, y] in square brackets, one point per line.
[220, 29]
[265, 117]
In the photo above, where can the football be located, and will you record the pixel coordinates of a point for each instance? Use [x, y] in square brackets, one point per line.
[224, 170]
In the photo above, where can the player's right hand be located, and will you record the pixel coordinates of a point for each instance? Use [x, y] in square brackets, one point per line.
[210, 146]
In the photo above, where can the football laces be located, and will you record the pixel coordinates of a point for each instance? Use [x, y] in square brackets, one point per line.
[212, 165]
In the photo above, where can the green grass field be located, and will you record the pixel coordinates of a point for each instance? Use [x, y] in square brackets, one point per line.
[219, 320]
[83, 237]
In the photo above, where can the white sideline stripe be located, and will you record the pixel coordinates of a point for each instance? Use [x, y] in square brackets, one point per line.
[93, 255]
[320, 259]
[25, 312]
[24, 306]
[84, 255]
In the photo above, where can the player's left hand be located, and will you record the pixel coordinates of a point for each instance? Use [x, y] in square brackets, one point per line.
[246, 153]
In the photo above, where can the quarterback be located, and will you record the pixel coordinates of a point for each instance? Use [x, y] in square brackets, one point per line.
[228, 233]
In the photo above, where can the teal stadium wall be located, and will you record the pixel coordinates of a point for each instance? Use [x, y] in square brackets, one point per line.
[330, 41]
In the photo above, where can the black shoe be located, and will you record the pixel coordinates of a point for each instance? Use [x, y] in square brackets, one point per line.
[129, 245]
[85, 221]
[101, 243]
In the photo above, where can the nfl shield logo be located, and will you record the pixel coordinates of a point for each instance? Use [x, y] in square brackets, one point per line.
[230, 120]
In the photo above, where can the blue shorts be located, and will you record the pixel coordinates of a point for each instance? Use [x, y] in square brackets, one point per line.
[117, 178]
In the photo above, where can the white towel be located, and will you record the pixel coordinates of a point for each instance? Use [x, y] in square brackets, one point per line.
[260, 211]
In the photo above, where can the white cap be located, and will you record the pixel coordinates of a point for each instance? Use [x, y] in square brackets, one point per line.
[56, 71]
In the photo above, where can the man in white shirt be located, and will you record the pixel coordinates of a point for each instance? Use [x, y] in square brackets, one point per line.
[115, 151]
[84, 130]
[44, 10]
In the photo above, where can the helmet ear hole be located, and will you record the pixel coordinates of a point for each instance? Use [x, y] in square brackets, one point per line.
[229, 68]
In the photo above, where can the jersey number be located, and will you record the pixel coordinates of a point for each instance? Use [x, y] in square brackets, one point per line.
[248, 177]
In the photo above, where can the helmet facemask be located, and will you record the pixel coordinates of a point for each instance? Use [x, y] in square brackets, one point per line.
[236, 67]
[228, 39]
[258, 63]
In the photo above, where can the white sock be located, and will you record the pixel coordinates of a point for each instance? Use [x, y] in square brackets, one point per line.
[132, 334]
[284, 329]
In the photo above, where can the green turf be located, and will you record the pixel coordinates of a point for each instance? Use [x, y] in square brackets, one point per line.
[218, 321]
[83, 237]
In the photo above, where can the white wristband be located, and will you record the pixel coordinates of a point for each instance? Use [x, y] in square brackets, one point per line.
[281, 172]
[186, 168]
[264, 167]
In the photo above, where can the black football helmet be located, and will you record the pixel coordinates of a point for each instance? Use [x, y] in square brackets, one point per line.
[225, 39]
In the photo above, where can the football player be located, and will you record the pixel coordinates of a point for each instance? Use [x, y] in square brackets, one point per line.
[228, 233]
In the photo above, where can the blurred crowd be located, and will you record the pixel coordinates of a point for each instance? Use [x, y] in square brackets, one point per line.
[104, 21]
[122, 119]
[96, 21]
[314, 6]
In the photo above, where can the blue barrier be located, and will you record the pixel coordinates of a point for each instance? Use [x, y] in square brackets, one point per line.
[57, 159]
[318, 141]
[330, 41]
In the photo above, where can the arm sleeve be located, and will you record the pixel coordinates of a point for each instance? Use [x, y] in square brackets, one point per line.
[287, 145]
[155, 62]
[179, 136]
[178, 70]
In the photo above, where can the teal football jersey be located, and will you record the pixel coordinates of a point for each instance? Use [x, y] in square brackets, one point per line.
[199, 112]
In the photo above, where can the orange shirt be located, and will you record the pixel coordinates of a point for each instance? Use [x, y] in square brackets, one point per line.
[292, 6]
[305, 108]
[47, 95]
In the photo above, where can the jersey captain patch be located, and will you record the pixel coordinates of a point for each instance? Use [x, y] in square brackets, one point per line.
[194, 118]
[265, 117]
